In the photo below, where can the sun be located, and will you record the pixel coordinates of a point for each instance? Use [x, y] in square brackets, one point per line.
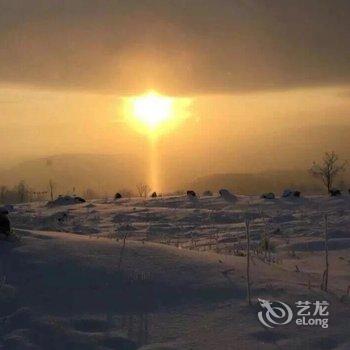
[152, 109]
[154, 114]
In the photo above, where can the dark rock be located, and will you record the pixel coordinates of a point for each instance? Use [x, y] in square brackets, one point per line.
[227, 195]
[117, 196]
[5, 225]
[8, 208]
[79, 200]
[290, 193]
[62, 217]
[66, 200]
[268, 195]
[191, 193]
[334, 192]
[4, 211]
[154, 195]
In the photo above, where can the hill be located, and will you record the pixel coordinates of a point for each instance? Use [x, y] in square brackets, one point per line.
[101, 173]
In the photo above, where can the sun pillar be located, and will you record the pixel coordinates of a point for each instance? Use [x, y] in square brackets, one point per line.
[153, 115]
[154, 165]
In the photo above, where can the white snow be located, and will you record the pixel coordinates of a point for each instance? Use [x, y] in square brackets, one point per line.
[183, 270]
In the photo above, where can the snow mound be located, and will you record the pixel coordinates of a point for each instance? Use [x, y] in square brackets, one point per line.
[227, 195]
[159, 347]
[333, 244]
[66, 200]
[8, 208]
[288, 193]
[90, 206]
[268, 195]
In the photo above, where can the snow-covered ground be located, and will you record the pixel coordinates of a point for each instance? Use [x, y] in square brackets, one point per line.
[181, 282]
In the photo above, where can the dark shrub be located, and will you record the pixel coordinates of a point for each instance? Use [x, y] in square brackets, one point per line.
[117, 196]
[191, 193]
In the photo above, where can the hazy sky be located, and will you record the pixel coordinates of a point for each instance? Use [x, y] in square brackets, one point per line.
[177, 46]
[269, 79]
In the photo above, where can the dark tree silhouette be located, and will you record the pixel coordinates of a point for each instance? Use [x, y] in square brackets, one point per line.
[51, 188]
[328, 170]
[143, 189]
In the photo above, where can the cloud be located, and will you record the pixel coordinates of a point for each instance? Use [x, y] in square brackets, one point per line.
[177, 46]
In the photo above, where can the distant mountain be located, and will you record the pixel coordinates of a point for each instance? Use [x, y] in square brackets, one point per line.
[258, 183]
[101, 173]
[106, 174]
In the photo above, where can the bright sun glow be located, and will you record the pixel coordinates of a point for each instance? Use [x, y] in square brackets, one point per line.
[152, 109]
[154, 114]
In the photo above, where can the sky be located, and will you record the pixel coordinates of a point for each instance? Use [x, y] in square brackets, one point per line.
[268, 80]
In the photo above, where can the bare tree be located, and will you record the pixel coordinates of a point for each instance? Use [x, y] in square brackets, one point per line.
[328, 170]
[265, 242]
[18, 194]
[22, 191]
[3, 191]
[143, 189]
[52, 186]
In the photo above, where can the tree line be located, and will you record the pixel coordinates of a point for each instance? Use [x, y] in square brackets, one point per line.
[327, 171]
[19, 193]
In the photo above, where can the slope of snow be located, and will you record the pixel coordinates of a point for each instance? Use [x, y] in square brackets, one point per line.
[180, 274]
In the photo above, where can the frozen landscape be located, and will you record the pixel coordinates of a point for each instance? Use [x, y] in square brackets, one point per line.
[174, 175]
[170, 273]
